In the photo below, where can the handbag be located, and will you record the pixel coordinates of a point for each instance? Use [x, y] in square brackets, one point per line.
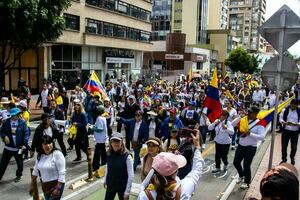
[48, 187]
[73, 132]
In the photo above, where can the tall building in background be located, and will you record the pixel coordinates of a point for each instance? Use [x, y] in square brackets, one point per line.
[245, 16]
[190, 17]
[218, 14]
[161, 19]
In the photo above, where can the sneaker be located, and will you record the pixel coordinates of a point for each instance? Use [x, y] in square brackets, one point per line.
[77, 160]
[69, 149]
[239, 180]
[203, 146]
[232, 147]
[217, 170]
[17, 179]
[225, 168]
[244, 186]
[283, 161]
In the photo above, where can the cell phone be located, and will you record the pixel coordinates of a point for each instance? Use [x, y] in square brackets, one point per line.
[186, 132]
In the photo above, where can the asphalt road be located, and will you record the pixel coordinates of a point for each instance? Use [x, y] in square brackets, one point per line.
[209, 187]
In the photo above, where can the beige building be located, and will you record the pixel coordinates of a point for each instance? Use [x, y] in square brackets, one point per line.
[190, 18]
[218, 14]
[106, 36]
[245, 16]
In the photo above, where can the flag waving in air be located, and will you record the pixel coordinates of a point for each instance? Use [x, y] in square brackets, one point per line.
[94, 85]
[212, 99]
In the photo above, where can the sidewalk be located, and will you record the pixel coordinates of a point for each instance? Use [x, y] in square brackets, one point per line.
[254, 190]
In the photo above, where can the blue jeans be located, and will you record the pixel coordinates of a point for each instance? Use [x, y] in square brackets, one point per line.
[203, 131]
[49, 197]
[137, 159]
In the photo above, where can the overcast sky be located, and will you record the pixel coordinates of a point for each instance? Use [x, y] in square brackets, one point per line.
[274, 5]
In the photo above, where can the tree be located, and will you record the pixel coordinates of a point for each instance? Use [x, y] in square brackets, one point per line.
[240, 60]
[26, 24]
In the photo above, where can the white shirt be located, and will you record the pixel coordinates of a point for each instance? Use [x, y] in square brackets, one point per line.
[272, 99]
[51, 167]
[14, 125]
[44, 96]
[48, 131]
[223, 136]
[110, 111]
[100, 133]
[258, 96]
[152, 127]
[232, 114]
[136, 130]
[292, 117]
[188, 184]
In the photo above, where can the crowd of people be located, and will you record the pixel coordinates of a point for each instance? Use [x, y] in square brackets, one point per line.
[161, 126]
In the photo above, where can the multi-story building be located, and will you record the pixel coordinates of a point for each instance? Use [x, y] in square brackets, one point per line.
[108, 36]
[190, 17]
[245, 16]
[218, 14]
[161, 19]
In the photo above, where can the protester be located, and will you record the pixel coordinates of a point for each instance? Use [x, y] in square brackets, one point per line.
[162, 183]
[138, 134]
[119, 171]
[247, 147]
[224, 131]
[290, 120]
[153, 148]
[50, 166]
[101, 135]
[15, 135]
[44, 97]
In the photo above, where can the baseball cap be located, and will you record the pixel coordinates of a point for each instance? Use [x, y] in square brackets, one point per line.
[14, 111]
[166, 163]
[172, 111]
[76, 101]
[174, 129]
[116, 136]
[152, 113]
[193, 103]
[23, 104]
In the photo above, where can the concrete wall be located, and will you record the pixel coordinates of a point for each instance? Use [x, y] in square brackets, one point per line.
[190, 20]
[214, 15]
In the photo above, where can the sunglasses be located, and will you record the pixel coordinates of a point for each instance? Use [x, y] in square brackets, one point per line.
[76, 105]
[151, 145]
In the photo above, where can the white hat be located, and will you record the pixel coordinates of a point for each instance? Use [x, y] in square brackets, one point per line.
[23, 103]
[4, 100]
[76, 101]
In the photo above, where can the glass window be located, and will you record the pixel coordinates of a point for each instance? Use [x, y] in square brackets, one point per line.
[67, 53]
[120, 31]
[91, 26]
[145, 36]
[107, 29]
[94, 2]
[56, 51]
[133, 34]
[134, 12]
[72, 21]
[109, 4]
[76, 53]
[123, 7]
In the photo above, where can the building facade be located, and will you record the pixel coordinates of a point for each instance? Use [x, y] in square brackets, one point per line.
[218, 14]
[161, 19]
[190, 18]
[108, 36]
[245, 16]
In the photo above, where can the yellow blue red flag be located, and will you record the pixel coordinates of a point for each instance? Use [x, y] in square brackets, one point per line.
[94, 85]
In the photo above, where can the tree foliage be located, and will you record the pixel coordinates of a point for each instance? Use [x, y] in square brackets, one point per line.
[26, 24]
[240, 60]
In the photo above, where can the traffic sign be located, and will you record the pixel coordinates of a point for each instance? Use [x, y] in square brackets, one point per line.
[283, 20]
[288, 76]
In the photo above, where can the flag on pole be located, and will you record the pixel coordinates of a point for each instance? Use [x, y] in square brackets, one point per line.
[190, 75]
[212, 99]
[94, 85]
[237, 105]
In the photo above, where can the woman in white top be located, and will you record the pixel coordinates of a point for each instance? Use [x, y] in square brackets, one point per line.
[50, 166]
[224, 131]
[162, 181]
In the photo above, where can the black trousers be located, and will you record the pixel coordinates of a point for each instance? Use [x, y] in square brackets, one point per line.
[286, 136]
[99, 152]
[80, 146]
[109, 129]
[127, 140]
[245, 154]
[112, 190]
[221, 153]
[6, 156]
[60, 141]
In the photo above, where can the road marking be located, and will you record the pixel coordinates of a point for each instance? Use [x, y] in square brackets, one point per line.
[73, 194]
[231, 186]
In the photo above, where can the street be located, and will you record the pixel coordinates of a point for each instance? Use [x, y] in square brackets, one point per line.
[209, 186]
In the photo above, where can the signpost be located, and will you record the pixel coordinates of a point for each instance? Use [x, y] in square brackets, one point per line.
[281, 30]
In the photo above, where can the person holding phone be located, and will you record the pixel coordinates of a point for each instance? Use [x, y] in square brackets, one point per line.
[224, 130]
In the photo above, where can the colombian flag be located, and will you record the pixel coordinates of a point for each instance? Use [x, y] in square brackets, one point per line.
[266, 116]
[212, 99]
[94, 85]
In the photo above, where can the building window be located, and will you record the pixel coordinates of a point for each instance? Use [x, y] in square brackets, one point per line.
[199, 66]
[114, 30]
[109, 4]
[123, 8]
[72, 21]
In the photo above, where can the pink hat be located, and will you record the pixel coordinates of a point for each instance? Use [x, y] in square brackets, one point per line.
[167, 164]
